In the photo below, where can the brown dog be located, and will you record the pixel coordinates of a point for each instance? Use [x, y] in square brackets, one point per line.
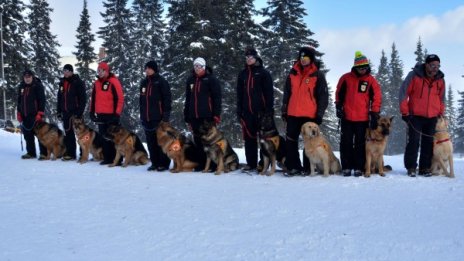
[319, 151]
[272, 145]
[376, 141]
[442, 150]
[51, 137]
[127, 145]
[217, 149]
[89, 141]
[177, 147]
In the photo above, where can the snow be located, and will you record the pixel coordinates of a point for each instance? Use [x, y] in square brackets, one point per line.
[66, 211]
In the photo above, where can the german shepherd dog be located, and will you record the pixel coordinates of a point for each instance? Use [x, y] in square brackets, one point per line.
[376, 141]
[177, 147]
[272, 145]
[319, 151]
[442, 150]
[51, 137]
[127, 145]
[89, 140]
[217, 149]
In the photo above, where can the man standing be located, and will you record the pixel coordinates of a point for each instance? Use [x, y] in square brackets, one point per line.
[30, 109]
[357, 97]
[255, 97]
[71, 103]
[106, 106]
[155, 106]
[422, 96]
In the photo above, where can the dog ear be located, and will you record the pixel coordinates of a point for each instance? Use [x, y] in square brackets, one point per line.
[391, 118]
[303, 129]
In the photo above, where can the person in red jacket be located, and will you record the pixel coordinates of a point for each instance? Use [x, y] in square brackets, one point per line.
[106, 105]
[31, 107]
[358, 97]
[305, 99]
[422, 96]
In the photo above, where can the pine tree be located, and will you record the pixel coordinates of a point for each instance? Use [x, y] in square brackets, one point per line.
[391, 93]
[459, 130]
[45, 57]
[450, 112]
[85, 52]
[420, 56]
[15, 50]
[116, 35]
[388, 107]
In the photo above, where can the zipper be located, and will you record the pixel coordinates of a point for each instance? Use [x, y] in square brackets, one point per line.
[147, 93]
[249, 82]
[196, 90]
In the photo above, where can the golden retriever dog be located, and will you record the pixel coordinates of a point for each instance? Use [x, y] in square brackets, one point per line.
[319, 151]
[177, 147]
[217, 149]
[442, 150]
[127, 145]
[89, 140]
[376, 141]
[52, 138]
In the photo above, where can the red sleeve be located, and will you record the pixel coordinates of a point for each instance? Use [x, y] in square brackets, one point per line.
[120, 94]
[377, 99]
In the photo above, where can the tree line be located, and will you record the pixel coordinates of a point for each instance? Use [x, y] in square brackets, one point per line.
[173, 33]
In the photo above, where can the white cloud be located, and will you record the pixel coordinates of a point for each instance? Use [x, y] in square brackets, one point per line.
[443, 35]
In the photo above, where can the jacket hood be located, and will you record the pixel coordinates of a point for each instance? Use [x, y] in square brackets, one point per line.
[419, 70]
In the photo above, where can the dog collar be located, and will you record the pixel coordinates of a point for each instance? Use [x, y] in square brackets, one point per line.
[441, 141]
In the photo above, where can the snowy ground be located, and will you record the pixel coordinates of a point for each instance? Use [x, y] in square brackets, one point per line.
[66, 211]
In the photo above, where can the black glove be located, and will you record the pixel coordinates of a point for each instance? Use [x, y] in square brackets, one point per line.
[340, 113]
[406, 118]
[284, 116]
[373, 121]
[59, 116]
[186, 119]
[239, 116]
[115, 119]
[318, 120]
[94, 117]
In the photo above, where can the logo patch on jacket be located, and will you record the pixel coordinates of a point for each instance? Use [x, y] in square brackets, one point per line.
[105, 86]
[144, 90]
[362, 86]
[191, 86]
[62, 89]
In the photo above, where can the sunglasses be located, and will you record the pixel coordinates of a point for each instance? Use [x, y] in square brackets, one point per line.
[66, 70]
[198, 66]
[362, 68]
[434, 66]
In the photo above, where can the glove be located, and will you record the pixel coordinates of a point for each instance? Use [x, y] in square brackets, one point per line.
[94, 117]
[59, 116]
[373, 121]
[217, 119]
[38, 116]
[340, 113]
[406, 118]
[18, 117]
[239, 116]
[186, 119]
[318, 120]
[284, 116]
[115, 119]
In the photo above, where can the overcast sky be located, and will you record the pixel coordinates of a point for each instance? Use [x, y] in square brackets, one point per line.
[341, 27]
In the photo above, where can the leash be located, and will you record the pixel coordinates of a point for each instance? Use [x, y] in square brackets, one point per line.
[421, 133]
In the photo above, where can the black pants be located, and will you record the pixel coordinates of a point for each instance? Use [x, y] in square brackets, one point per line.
[69, 138]
[250, 127]
[418, 125]
[353, 144]
[292, 160]
[27, 128]
[109, 150]
[157, 156]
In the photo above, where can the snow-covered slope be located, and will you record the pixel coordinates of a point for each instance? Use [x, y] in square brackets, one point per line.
[66, 211]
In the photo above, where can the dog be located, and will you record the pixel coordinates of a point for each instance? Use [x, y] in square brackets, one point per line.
[52, 138]
[442, 150]
[319, 151]
[89, 140]
[217, 149]
[128, 145]
[376, 141]
[272, 145]
[177, 147]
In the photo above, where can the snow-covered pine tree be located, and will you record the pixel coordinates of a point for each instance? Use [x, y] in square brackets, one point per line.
[85, 52]
[450, 112]
[44, 58]
[459, 130]
[388, 107]
[420, 56]
[117, 41]
[15, 50]
[398, 143]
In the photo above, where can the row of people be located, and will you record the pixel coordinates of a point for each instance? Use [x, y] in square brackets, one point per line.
[358, 100]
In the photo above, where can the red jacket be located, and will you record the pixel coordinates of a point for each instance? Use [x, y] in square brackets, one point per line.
[422, 96]
[357, 95]
[107, 96]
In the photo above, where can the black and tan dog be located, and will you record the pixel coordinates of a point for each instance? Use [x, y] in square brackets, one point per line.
[52, 138]
[177, 147]
[442, 150]
[272, 145]
[217, 149]
[376, 141]
[89, 140]
[127, 145]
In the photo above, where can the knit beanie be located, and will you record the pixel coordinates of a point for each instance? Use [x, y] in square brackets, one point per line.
[152, 65]
[199, 61]
[104, 66]
[28, 72]
[360, 60]
[251, 51]
[431, 58]
[307, 51]
[68, 67]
